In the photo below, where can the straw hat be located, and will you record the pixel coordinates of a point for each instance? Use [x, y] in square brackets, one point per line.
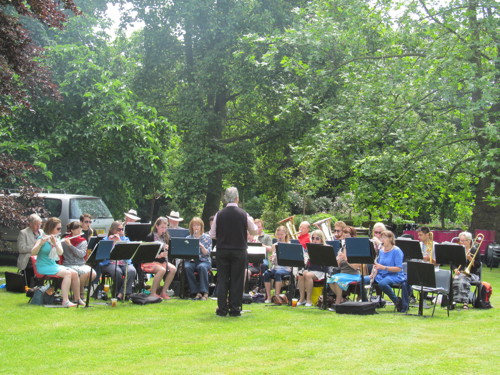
[174, 215]
[132, 214]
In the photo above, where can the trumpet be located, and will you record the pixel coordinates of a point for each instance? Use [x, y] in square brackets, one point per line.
[478, 241]
[325, 226]
[290, 226]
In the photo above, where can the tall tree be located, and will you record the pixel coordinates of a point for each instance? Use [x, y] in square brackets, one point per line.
[23, 75]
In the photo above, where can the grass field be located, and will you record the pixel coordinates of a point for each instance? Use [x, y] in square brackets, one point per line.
[186, 337]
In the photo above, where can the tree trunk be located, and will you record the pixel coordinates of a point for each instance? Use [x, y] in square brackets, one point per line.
[212, 197]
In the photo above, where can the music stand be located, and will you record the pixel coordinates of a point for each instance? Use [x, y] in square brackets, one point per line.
[360, 250]
[256, 253]
[184, 248]
[123, 251]
[101, 252]
[137, 231]
[146, 252]
[322, 255]
[452, 254]
[93, 241]
[423, 275]
[291, 255]
[178, 232]
[411, 249]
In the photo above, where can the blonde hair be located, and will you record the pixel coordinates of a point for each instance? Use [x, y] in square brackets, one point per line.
[320, 234]
[196, 220]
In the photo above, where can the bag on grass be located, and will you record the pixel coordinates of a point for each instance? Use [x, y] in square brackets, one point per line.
[44, 295]
[144, 299]
[483, 296]
[356, 308]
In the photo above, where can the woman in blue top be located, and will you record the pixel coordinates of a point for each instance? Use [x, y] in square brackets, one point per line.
[199, 290]
[388, 270]
[48, 249]
[121, 267]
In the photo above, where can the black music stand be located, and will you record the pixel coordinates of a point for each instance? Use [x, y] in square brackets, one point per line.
[452, 254]
[146, 252]
[411, 249]
[326, 256]
[178, 232]
[360, 250]
[184, 248]
[137, 231]
[123, 251]
[291, 255]
[423, 275]
[93, 241]
[101, 251]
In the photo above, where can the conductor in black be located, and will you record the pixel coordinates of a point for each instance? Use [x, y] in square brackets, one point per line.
[230, 228]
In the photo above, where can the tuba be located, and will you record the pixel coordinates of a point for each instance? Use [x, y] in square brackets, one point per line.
[326, 227]
[290, 226]
[478, 241]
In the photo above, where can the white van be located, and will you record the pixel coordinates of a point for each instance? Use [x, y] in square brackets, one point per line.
[67, 207]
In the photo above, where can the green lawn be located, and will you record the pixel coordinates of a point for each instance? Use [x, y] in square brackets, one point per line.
[186, 337]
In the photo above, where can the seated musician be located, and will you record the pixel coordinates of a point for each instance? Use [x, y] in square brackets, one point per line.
[118, 269]
[377, 230]
[87, 231]
[160, 266]
[303, 235]
[25, 242]
[199, 290]
[275, 271]
[266, 241]
[48, 249]
[348, 272]
[388, 270]
[75, 252]
[425, 236]
[312, 272]
[461, 280]
[338, 231]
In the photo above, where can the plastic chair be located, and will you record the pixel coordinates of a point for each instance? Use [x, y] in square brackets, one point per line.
[443, 278]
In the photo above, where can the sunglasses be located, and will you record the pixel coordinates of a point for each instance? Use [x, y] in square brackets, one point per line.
[58, 228]
[88, 221]
[315, 238]
[119, 229]
[377, 232]
[338, 230]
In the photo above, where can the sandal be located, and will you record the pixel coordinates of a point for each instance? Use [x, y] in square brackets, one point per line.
[198, 296]
[164, 296]
[204, 297]
[68, 303]
[80, 302]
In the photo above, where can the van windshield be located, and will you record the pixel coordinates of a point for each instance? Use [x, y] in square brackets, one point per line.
[92, 206]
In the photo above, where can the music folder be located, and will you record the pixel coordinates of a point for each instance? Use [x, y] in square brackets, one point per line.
[184, 248]
[137, 231]
[290, 254]
[411, 248]
[101, 252]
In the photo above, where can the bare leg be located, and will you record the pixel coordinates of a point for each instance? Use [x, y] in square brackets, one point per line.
[309, 278]
[159, 272]
[170, 276]
[267, 285]
[302, 289]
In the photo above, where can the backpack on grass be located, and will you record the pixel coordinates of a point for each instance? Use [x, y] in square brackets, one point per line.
[483, 296]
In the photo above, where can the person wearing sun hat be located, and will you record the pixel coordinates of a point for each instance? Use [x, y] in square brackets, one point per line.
[131, 216]
[174, 219]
